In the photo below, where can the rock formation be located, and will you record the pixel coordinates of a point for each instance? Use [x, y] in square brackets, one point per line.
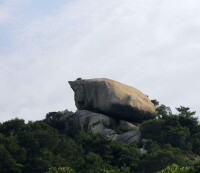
[101, 124]
[113, 99]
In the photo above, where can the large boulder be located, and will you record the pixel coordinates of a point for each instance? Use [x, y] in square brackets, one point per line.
[96, 123]
[112, 98]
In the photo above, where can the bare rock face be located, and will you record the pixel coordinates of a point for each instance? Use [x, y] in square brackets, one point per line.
[112, 98]
[95, 123]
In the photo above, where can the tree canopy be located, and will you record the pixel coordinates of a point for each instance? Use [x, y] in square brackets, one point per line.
[171, 141]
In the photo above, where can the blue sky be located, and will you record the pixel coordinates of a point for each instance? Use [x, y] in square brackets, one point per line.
[153, 45]
[20, 12]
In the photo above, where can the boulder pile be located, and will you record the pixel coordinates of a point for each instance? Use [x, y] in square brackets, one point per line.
[109, 108]
[96, 123]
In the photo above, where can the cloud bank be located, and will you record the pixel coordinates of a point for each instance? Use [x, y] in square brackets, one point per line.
[151, 45]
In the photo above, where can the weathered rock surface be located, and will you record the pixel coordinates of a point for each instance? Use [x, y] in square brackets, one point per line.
[112, 98]
[101, 124]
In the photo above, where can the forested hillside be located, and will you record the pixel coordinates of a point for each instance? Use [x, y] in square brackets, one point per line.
[169, 142]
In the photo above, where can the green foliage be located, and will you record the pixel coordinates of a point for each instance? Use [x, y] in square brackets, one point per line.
[93, 163]
[61, 170]
[36, 147]
[52, 118]
[12, 127]
[162, 110]
[112, 152]
[159, 157]
[172, 139]
[196, 165]
[6, 160]
[185, 111]
[180, 130]
[176, 169]
[172, 142]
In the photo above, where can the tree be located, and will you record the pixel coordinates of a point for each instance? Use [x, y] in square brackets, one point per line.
[185, 111]
[153, 129]
[155, 102]
[159, 157]
[12, 127]
[123, 155]
[177, 169]
[93, 163]
[6, 160]
[188, 119]
[163, 111]
[38, 165]
[53, 119]
[61, 170]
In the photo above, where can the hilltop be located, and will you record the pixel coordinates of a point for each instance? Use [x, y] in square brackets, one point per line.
[94, 140]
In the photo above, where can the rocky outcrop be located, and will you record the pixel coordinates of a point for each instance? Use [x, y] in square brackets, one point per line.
[101, 124]
[112, 98]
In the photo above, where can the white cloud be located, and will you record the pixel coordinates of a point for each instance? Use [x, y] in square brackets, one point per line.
[8, 10]
[152, 45]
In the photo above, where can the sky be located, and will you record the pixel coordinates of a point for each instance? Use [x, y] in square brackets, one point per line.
[152, 45]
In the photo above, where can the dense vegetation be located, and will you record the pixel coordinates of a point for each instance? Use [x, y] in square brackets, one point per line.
[172, 142]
